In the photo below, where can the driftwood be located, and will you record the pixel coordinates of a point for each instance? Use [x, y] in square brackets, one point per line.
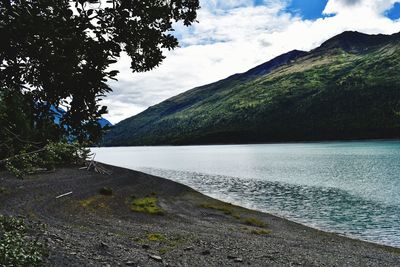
[96, 166]
[64, 195]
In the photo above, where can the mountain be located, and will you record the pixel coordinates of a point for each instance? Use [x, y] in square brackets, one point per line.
[59, 113]
[348, 88]
[104, 122]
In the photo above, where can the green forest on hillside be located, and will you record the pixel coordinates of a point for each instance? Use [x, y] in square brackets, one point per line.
[333, 92]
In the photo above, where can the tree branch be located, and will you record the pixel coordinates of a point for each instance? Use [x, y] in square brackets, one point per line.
[20, 139]
[2, 162]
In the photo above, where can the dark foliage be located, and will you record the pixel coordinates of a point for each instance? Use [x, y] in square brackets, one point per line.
[58, 53]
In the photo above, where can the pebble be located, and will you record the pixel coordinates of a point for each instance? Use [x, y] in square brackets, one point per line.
[235, 258]
[206, 252]
[238, 260]
[155, 257]
[188, 248]
[103, 245]
[130, 263]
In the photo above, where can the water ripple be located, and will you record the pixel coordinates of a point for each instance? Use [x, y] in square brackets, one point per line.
[352, 188]
[329, 209]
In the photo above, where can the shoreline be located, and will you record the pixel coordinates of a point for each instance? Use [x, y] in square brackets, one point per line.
[265, 143]
[249, 205]
[304, 224]
[189, 229]
[291, 220]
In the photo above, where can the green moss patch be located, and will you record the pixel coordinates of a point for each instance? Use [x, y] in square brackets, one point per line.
[261, 232]
[95, 202]
[156, 237]
[226, 208]
[146, 205]
[254, 222]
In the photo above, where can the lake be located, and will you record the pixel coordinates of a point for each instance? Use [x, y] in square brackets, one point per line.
[352, 188]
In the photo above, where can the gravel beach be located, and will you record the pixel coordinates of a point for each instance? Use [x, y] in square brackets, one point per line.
[130, 218]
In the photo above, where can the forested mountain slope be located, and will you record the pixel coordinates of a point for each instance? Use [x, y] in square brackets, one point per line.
[348, 88]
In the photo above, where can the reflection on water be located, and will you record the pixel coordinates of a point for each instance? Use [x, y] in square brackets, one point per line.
[351, 188]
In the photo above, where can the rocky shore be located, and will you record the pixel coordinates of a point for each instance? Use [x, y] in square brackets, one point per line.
[130, 218]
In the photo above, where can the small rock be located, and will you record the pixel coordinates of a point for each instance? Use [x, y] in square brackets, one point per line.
[130, 263]
[206, 252]
[238, 260]
[145, 246]
[235, 258]
[155, 257]
[188, 248]
[103, 245]
[56, 237]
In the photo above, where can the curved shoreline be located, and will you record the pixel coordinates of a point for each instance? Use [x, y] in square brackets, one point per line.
[237, 199]
[90, 229]
[304, 224]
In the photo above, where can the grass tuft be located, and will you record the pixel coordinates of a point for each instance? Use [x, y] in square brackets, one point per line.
[94, 202]
[261, 232]
[156, 237]
[146, 205]
[254, 222]
[226, 208]
[88, 201]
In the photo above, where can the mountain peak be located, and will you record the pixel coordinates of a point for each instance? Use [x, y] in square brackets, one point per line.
[317, 95]
[353, 41]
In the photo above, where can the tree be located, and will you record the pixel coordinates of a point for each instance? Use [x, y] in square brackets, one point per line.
[57, 54]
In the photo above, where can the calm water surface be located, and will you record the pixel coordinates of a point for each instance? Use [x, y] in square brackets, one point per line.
[352, 188]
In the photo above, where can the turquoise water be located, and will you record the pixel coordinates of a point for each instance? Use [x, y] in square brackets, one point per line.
[352, 188]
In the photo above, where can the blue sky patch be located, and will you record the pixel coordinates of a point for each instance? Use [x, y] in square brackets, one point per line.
[394, 13]
[307, 9]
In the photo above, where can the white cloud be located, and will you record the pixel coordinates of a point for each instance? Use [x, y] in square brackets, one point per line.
[377, 7]
[234, 36]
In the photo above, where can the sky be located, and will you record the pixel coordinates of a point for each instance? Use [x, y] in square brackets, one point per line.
[233, 36]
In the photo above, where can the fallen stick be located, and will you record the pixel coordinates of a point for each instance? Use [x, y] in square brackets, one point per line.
[64, 195]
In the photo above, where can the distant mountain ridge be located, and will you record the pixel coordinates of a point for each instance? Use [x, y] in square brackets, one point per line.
[59, 113]
[352, 41]
[273, 64]
[348, 88]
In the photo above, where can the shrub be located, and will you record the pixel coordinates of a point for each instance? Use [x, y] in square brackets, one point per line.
[16, 247]
[51, 156]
